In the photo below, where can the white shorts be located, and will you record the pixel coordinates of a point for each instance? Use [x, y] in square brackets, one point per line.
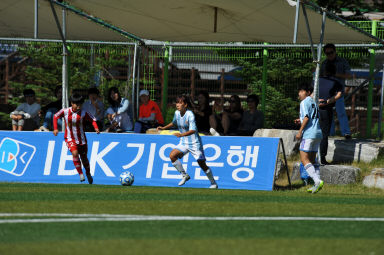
[196, 153]
[310, 145]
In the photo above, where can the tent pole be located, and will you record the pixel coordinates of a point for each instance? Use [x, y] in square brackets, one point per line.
[309, 33]
[370, 87]
[296, 21]
[164, 99]
[65, 69]
[317, 74]
[138, 80]
[264, 80]
[58, 25]
[319, 48]
[345, 22]
[36, 23]
[133, 77]
[381, 106]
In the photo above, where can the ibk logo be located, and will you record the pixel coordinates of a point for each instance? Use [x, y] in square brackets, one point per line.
[15, 156]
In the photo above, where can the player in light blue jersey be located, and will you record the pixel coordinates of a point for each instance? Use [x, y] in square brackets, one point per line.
[190, 141]
[310, 135]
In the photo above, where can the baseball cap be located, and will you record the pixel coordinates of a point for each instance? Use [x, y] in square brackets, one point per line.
[144, 92]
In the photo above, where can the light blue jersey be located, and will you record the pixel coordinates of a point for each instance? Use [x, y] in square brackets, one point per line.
[184, 124]
[309, 108]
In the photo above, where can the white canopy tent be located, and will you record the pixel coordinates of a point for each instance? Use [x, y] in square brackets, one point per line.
[273, 21]
[173, 20]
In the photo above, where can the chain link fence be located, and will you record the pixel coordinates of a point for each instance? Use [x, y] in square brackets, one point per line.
[222, 71]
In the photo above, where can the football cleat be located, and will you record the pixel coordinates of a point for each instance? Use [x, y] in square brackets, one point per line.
[317, 187]
[214, 186]
[184, 180]
[82, 178]
[90, 178]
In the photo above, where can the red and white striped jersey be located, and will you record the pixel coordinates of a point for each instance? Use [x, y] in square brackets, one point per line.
[74, 130]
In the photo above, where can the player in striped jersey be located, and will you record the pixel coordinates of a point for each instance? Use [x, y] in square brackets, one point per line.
[190, 141]
[74, 135]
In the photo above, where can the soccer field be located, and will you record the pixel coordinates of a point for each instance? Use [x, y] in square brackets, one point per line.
[99, 219]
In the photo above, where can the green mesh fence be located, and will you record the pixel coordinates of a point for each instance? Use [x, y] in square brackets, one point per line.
[221, 71]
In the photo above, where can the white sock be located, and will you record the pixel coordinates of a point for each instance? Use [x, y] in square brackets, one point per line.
[177, 164]
[209, 174]
[312, 172]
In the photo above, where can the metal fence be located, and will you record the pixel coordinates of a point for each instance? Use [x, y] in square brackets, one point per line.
[221, 70]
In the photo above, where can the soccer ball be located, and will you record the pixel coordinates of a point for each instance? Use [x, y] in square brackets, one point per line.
[126, 178]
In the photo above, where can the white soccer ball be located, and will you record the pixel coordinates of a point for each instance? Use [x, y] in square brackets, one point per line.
[126, 178]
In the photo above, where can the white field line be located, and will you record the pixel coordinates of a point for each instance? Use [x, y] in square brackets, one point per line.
[120, 217]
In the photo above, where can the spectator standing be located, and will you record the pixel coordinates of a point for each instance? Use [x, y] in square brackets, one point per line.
[343, 71]
[227, 122]
[330, 91]
[149, 114]
[252, 119]
[310, 135]
[119, 113]
[26, 115]
[74, 135]
[95, 107]
[202, 112]
[50, 109]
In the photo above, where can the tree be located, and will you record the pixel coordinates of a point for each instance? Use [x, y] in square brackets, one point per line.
[43, 71]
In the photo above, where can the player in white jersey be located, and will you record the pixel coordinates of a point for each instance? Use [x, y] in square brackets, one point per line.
[190, 141]
[74, 136]
[310, 135]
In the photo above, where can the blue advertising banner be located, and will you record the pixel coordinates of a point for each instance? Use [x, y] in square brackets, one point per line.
[236, 162]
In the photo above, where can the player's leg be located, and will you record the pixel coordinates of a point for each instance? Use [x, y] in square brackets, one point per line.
[225, 122]
[208, 172]
[174, 156]
[198, 154]
[343, 118]
[307, 155]
[76, 159]
[20, 125]
[83, 150]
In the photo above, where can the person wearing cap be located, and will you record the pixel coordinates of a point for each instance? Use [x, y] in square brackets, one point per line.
[26, 115]
[95, 107]
[149, 114]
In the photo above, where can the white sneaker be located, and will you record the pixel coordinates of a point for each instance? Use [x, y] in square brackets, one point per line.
[44, 129]
[214, 132]
[184, 180]
[213, 186]
[82, 178]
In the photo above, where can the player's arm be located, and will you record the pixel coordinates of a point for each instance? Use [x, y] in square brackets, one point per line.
[89, 117]
[165, 127]
[57, 116]
[334, 98]
[303, 124]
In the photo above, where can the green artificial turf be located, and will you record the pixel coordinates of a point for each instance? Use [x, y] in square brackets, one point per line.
[191, 237]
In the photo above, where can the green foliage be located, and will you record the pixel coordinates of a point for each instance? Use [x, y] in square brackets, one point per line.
[358, 7]
[169, 115]
[43, 71]
[285, 71]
